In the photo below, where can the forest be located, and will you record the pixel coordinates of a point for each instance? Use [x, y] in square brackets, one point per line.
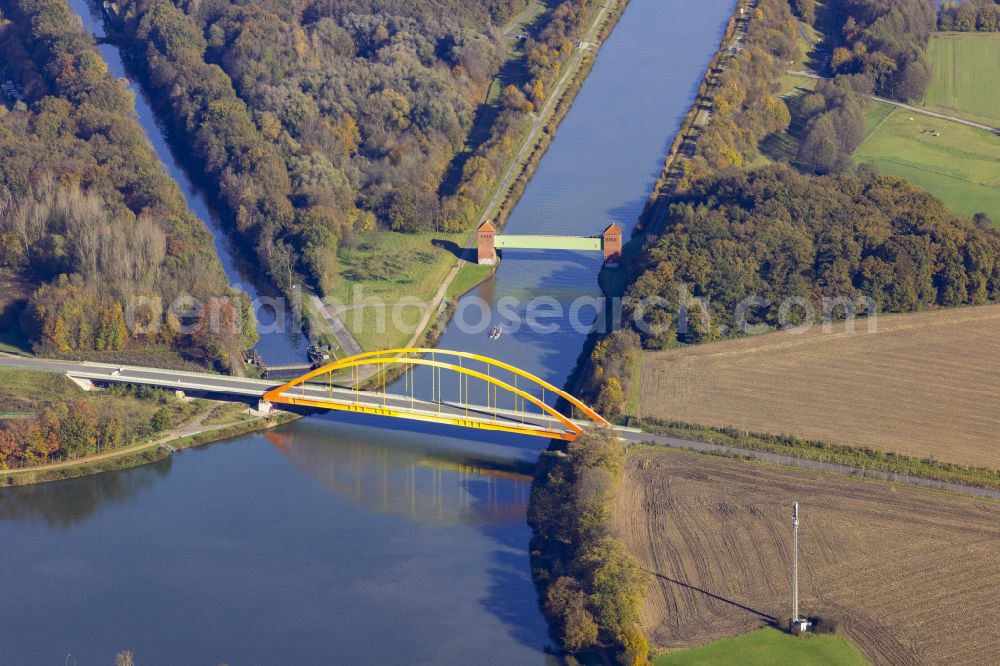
[969, 16]
[774, 233]
[322, 119]
[89, 222]
[885, 45]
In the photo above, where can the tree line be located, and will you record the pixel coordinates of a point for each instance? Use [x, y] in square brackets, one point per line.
[88, 217]
[969, 16]
[745, 107]
[592, 586]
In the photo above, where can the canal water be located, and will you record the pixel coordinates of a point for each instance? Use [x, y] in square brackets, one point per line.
[330, 540]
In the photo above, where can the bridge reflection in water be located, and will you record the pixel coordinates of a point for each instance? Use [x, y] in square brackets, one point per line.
[440, 486]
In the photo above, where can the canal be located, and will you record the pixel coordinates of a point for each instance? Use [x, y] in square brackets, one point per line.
[330, 540]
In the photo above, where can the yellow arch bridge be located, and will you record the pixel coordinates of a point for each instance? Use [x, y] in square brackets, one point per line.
[512, 400]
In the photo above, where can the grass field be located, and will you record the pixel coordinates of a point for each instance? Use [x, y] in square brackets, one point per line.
[387, 267]
[923, 385]
[898, 570]
[768, 647]
[958, 164]
[966, 79]
[469, 276]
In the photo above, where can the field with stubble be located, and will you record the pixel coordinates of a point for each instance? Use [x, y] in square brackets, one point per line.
[923, 385]
[905, 573]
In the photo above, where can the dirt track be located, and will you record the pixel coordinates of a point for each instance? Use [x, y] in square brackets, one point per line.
[903, 571]
[926, 384]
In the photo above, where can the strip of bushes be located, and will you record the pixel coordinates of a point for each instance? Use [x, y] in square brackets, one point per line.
[592, 587]
[862, 458]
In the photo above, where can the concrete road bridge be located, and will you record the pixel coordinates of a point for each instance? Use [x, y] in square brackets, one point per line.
[514, 400]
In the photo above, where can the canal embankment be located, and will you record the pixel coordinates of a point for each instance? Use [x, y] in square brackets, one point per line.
[193, 434]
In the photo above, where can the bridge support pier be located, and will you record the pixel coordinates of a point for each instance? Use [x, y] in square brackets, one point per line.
[486, 244]
[611, 243]
[264, 408]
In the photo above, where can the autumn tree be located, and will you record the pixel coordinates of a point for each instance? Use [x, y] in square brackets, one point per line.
[566, 603]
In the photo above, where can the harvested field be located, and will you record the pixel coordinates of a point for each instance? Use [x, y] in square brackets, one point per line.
[924, 385]
[902, 571]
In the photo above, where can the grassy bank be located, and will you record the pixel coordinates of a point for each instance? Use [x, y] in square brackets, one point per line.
[53, 429]
[385, 268]
[768, 647]
[869, 459]
[146, 453]
[40, 393]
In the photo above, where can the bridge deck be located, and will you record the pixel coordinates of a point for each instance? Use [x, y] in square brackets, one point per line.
[527, 242]
[308, 395]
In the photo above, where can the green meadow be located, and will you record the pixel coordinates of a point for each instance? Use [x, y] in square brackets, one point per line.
[768, 647]
[958, 164]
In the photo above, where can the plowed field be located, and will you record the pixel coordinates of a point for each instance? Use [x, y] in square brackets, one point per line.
[911, 576]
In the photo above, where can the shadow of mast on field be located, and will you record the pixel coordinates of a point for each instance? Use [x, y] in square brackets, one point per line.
[769, 618]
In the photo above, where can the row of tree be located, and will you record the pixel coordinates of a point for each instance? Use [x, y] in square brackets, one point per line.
[87, 214]
[593, 587]
[217, 126]
[745, 106]
[969, 16]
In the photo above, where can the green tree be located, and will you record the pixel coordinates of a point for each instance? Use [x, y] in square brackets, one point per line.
[611, 399]
[161, 420]
[635, 647]
[113, 331]
[76, 432]
[616, 584]
[111, 434]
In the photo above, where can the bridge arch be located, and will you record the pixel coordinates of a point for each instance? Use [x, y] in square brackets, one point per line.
[459, 412]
